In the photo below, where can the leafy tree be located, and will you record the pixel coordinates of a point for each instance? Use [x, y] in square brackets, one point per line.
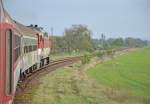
[110, 52]
[53, 44]
[78, 37]
[85, 59]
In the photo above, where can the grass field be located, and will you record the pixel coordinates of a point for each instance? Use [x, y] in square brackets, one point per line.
[122, 80]
[129, 72]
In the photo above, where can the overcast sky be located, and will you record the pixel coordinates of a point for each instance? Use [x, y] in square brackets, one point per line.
[114, 18]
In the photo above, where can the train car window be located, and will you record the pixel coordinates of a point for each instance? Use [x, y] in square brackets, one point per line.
[8, 61]
[17, 45]
[29, 45]
[34, 47]
[30, 48]
[25, 49]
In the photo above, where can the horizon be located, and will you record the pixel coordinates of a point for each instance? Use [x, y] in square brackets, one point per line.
[112, 18]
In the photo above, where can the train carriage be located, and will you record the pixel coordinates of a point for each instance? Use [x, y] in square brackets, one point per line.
[29, 46]
[6, 58]
[22, 50]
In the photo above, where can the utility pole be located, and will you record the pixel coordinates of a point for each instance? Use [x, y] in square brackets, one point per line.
[52, 40]
[103, 40]
[52, 31]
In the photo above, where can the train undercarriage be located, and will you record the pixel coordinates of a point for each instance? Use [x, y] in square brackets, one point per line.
[34, 68]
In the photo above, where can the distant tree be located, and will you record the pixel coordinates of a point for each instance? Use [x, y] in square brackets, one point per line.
[78, 37]
[100, 54]
[53, 44]
[103, 41]
[57, 44]
[110, 52]
[132, 42]
[85, 59]
[119, 42]
[95, 44]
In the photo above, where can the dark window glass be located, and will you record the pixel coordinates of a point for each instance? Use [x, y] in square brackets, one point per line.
[24, 49]
[17, 53]
[17, 45]
[8, 61]
[30, 45]
[34, 47]
[30, 48]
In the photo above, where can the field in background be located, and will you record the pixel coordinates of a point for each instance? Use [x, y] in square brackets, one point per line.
[129, 72]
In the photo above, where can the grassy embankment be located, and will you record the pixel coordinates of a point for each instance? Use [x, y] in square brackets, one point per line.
[123, 80]
[130, 72]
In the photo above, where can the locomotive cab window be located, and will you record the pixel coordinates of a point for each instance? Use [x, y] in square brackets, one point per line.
[8, 61]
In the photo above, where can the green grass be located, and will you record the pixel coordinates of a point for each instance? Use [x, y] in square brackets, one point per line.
[66, 87]
[123, 80]
[129, 72]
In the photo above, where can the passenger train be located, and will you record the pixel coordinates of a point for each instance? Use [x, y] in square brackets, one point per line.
[23, 49]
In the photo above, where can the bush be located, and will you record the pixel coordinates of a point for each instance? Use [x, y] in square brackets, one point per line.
[100, 54]
[110, 52]
[85, 59]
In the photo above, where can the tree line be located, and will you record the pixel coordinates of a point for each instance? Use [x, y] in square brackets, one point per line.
[118, 43]
[78, 38]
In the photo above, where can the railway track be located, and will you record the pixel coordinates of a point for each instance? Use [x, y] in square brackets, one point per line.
[25, 86]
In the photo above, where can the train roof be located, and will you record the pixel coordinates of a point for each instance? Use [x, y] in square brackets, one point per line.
[26, 31]
[23, 30]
